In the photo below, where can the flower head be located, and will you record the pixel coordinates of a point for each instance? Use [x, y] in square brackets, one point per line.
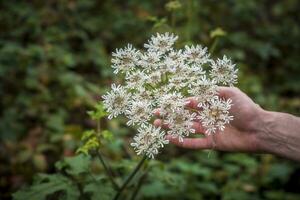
[215, 114]
[223, 71]
[135, 79]
[116, 101]
[203, 89]
[139, 112]
[162, 77]
[125, 59]
[149, 140]
[150, 60]
[170, 102]
[196, 55]
[174, 59]
[180, 123]
[161, 43]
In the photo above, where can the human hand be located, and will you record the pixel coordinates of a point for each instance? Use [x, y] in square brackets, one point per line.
[241, 135]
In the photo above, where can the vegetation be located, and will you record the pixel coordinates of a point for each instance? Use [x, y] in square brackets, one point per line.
[55, 65]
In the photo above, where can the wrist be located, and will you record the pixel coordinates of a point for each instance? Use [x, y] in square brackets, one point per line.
[277, 134]
[264, 130]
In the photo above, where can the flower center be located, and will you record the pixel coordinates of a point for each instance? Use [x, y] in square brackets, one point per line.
[127, 60]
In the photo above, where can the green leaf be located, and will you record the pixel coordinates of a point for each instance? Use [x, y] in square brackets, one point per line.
[99, 111]
[107, 135]
[154, 189]
[99, 190]
[87, 135]
[74, 165]
[47, 185]
[91, 142]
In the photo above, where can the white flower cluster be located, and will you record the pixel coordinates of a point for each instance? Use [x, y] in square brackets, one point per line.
[162, 77]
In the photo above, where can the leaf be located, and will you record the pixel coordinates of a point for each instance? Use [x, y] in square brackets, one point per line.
[155, 189]
[99, 190]
[107, 135]
[47, 185]
[208, 187]
[74, 165]
[98, 113]
[87, 134]
[91, 142]
[278, 171]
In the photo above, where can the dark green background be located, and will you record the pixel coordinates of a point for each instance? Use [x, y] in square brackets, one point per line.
[55, 64]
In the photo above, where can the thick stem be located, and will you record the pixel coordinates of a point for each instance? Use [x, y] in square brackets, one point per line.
[139, 185]
[108, 171]
[130, 177]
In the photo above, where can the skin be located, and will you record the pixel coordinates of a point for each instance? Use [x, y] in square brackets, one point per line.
[252, 130]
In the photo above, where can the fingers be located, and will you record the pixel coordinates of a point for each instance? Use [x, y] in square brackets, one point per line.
[196, 126]
[192, 103]
[156, 112]
[159, 123]
[191, 143]
[227, 92]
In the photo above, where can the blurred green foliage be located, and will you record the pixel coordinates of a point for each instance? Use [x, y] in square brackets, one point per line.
[55, 64]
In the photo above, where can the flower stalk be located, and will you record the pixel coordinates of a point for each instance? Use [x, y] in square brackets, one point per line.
[139, 185]
[130, 177]
[214, 45]
[108, 171]
[100, 157]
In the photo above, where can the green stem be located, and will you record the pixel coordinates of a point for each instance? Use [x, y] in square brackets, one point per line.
[100, 157]
[213, 46]
[138, 187]
[167, 78]
[148, 84]
[173, 20]
[189, 13]
[98, 127]
[130, 177]
[108, 171]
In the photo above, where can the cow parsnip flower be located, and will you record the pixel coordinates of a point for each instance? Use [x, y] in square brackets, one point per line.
[215, 114]
[203, 89]
[169, 103]
[150, 60]
[126, 59]
[116, 101]
[223, 71]
[139, 112]
[162, 77]
[135, 79]
[173, 59]
[149, 140]
[161, 43]
[180, 123]
[196, 55]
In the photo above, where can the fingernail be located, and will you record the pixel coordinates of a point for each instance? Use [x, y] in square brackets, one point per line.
[187, 102]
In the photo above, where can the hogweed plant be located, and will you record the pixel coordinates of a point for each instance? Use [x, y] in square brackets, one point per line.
[159, 77]
[162, 77]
